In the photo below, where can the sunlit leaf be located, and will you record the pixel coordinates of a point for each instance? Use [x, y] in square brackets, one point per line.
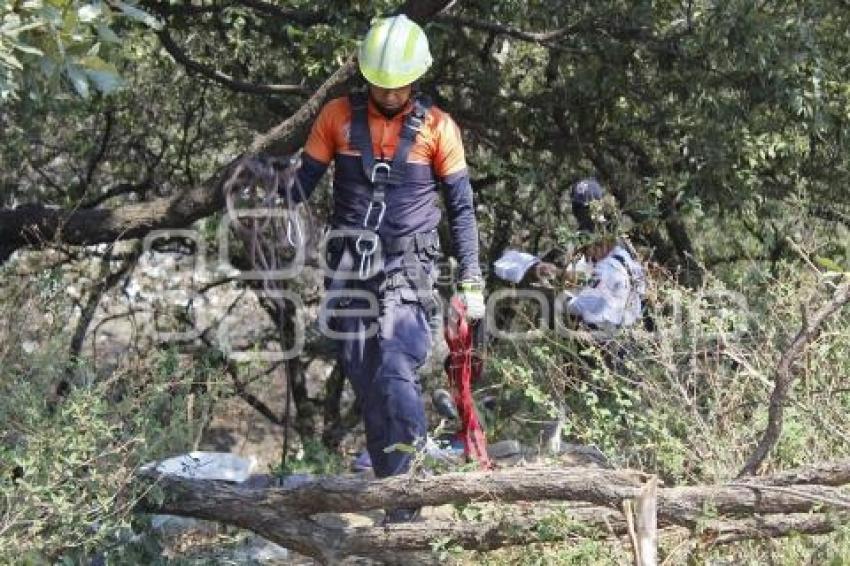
[28, 49]
[78, 80]
[89, 12]
[105, 33]
[10, 60]
[139, 15]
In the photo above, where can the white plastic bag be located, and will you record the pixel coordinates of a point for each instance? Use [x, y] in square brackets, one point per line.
[205, 466]
[513, 265]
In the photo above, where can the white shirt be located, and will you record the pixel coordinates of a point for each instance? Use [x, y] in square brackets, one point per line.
[613, 297]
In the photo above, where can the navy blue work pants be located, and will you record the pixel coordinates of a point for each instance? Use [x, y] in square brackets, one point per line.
[383, 340]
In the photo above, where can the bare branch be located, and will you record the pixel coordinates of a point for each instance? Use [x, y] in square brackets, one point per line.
[500, 29]
[784, 377]
[422, 10]
[106, 280]
[98, 155]
[221, 78]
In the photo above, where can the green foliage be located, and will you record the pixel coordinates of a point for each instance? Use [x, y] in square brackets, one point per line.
[687, 400]
[572, 553]
[45, 42]
[67, 459]
[313, 458]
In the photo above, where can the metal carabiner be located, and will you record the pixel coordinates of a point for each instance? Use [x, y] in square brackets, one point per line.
[293, 220]
[366, 252]
[365, 267]
[378, 166]
[371, 239]
[382, 209]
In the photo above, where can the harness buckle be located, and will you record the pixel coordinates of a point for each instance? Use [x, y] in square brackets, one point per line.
[381, 166]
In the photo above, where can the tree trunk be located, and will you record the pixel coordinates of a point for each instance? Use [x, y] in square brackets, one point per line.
[760, 507]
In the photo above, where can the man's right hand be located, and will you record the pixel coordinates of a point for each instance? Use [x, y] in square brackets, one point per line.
[471, 294]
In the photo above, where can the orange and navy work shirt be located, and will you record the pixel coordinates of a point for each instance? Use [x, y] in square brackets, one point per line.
[435, 157]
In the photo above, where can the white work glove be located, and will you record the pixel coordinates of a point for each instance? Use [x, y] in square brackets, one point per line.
[471, 294]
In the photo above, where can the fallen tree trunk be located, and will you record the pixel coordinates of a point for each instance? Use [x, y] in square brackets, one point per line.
[770, 506]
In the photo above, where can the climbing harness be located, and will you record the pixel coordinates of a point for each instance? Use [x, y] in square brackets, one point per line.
[464, 366]
[382, 175]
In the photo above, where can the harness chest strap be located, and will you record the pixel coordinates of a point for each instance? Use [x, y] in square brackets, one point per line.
[380, 174]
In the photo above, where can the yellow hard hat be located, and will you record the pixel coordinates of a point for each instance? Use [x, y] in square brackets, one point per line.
[394, 52]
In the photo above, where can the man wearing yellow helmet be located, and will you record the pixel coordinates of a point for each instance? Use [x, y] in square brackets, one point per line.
[391, 150]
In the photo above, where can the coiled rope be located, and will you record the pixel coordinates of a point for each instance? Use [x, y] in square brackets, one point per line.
[262, 195]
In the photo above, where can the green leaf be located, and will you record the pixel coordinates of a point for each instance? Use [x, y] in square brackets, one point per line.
[28, 49]
[828, 264]
[78, 80]
[10, 60]
[105, 33]
[105, 81]
[95, 63]
[400, 447]
[139, 15]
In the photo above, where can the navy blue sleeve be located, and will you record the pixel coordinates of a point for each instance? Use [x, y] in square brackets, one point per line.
[309, 175]
[462, 225]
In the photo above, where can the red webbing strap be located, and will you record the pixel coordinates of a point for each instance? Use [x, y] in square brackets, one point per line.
[463, 369]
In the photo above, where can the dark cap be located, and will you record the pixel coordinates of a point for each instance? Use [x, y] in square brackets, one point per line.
[586, 191]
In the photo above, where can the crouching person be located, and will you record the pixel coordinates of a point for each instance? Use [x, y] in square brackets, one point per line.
[602, 281]
[594, 290]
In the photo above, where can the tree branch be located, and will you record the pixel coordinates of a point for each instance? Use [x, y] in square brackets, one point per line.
[784, 377]
[97, 156]
[500, 29]
[38, 225]
[221, 78]
[117, 190]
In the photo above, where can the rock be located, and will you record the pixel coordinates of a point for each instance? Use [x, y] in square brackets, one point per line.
[504, 449]
[260, 550]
